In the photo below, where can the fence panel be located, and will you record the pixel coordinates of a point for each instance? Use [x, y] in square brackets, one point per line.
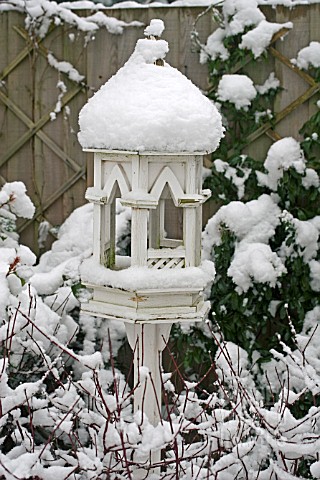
[45, 153]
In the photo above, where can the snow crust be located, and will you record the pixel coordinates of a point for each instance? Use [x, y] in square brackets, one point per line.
[150, 107]
[138, 278]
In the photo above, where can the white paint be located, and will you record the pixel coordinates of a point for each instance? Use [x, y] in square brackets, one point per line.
[147, 342]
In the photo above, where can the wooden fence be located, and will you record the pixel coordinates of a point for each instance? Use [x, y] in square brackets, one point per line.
[45, 154]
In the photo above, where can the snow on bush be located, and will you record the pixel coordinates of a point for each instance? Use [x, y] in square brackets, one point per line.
[231, 173]
[236, 89]
[266, 251]
[253, 224]
[236, 18]
[259, 38]
[14, 258]
[66, 410]
[308, 56]
[282, 155]
[13, 199]
[254, 221]
[272, 83]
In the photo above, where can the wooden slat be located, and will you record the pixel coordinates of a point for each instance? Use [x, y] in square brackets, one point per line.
[19, 86]
[31, 125]
[247, 59]
[122, 46]
[294, 85]
[291, 66]
[3, 88]
[280, 116]
[37, 126]
[61, 129]
[166, 253]
[172, 263]
[181, 264]
[204, 24]
[24, 53]
[51, 200]
[17, 60]
[314, 29]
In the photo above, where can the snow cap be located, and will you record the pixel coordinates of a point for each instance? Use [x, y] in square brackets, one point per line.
[155, 29]
[150, 106]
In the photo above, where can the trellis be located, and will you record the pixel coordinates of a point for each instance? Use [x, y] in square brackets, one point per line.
[296, 103]
[269, 128]
[45, 154]
[27, 128]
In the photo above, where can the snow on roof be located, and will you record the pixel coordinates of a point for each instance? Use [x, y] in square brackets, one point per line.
[155, 28]
[139, 278]
[150, 107]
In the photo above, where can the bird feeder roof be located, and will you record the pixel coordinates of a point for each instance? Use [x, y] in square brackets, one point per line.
[150, 106]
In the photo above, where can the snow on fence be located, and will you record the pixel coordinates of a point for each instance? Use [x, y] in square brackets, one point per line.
[40, 97]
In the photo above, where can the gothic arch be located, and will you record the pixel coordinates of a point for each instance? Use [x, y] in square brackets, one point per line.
[117, 178]
[167, 177]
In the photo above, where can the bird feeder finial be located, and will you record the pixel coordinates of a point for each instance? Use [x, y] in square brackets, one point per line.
[155, 29]
[154, 32]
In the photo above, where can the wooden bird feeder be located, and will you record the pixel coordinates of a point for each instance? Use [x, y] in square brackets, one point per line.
[162, 281]
[144, 181]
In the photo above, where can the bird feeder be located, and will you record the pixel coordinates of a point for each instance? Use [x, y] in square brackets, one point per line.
[148, 128]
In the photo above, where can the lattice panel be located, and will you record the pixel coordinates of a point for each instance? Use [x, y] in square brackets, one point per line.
[166, 263]
[36, 149]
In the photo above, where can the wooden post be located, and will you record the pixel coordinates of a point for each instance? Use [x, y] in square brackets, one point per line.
[139, 236]
[192, 235]
[148, 340]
